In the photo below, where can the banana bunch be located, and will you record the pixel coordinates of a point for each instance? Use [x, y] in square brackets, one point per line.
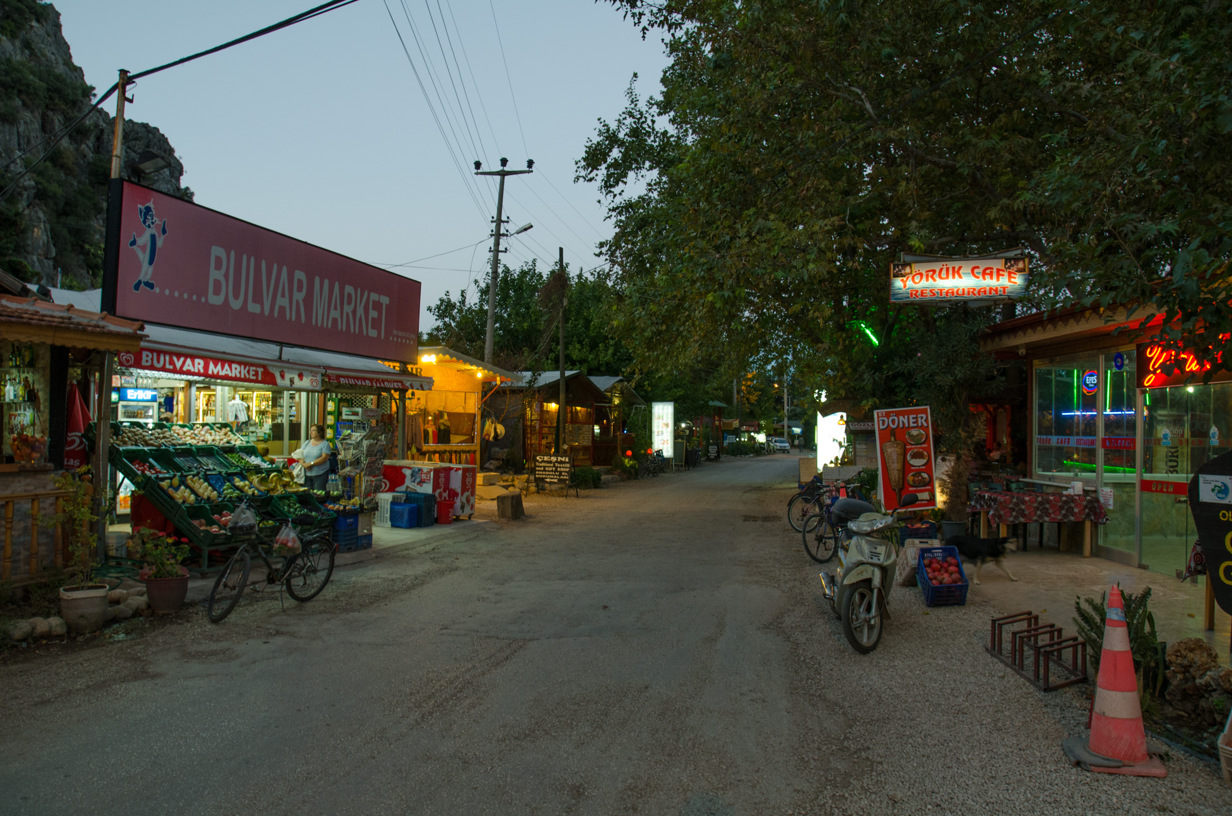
[244, 486]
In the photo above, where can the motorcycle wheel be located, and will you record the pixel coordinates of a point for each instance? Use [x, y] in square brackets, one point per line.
[820, 538]
[862, 621]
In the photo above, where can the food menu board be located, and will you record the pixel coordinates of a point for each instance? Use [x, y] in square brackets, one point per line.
[905, 458]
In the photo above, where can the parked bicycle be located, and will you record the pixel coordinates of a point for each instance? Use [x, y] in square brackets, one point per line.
[805, 501]
[652, 465]
[302, 574]
[821, 529]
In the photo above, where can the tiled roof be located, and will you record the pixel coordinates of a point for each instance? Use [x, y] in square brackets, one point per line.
[61, 315]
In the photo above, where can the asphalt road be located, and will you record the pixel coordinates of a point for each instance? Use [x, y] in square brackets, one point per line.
[656, 647]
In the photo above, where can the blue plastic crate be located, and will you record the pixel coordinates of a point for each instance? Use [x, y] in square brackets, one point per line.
[348, 544]
[949, 595]
[364, 542]
[404, 515]
[344, 524]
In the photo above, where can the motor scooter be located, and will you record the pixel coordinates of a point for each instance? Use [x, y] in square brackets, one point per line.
[859, 592]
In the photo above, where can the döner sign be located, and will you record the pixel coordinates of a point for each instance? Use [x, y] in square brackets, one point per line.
[180, 264]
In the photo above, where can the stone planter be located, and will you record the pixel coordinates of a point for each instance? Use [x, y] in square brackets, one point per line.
[84, 609]
[165, 595]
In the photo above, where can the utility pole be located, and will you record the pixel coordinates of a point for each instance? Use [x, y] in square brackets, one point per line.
[102, 401]
[562, 416]
[496, 236]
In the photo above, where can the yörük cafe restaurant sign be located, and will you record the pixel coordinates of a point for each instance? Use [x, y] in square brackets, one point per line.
[944, 281]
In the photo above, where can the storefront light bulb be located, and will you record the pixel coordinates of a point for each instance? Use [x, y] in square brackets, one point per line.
[1189, 389]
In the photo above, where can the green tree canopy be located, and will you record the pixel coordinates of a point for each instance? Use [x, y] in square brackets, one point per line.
[796, 149]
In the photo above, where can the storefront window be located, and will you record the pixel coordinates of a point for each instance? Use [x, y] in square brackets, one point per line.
[1066, 394]
[1185, 426]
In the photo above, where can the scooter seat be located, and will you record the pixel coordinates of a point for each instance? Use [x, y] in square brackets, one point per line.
[846, 510]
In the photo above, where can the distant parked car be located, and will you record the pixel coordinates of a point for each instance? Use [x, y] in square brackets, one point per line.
[779, 445]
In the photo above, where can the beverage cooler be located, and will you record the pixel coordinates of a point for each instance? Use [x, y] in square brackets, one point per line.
[455, 483]
[137, 405]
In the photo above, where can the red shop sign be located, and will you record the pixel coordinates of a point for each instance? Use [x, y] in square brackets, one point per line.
[212, 368]
[1164, 486]
[1119, 443]
[181, 264]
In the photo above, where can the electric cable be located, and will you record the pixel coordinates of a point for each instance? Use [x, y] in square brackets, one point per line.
[509, 78]
[440, 46]
[475, 83]
[466, 179]
[302, 16]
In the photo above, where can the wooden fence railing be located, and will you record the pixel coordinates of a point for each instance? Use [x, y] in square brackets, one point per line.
[38, 504]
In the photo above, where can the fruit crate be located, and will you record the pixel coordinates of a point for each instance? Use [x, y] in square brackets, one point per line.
[212, 458]
[123, 460]
[206, 513]
[186, 457]
[948, 595]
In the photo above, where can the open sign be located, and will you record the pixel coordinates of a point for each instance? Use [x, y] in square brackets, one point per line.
[1090, 382]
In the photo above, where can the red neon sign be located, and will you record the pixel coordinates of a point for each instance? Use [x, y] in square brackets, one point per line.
[1154, 359]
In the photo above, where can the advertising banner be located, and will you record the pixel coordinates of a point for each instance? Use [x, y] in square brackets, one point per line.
[212, 368]
[1210, 502]
[905, 458]
[662, 422]
[958, 280]
[180, 264]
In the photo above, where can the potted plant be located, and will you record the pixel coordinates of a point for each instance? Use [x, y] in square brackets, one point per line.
[166, 581]
[83, 602]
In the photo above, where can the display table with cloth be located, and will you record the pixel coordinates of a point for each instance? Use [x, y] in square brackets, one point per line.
[1021, 507]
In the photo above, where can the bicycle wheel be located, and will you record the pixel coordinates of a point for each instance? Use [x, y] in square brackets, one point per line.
[310, 571]
[798, 509]
[820, 538]
[228, 586]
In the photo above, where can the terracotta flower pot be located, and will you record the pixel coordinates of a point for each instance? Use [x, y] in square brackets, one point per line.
[84, 609]
[166, 595]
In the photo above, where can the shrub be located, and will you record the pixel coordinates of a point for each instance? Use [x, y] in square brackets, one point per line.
[586, 477]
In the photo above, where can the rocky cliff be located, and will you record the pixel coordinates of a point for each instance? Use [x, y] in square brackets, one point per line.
[51, 219]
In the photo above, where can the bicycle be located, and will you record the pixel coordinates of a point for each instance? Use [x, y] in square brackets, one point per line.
[805, 500]
[303, 574]
[652, 465]
[819, 530]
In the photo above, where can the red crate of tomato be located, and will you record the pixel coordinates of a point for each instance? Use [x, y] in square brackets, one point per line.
[939, 573]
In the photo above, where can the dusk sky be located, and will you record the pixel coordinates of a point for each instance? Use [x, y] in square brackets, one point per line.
[321, 130]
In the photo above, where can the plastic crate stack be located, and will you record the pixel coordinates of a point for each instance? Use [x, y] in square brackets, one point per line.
[346, 535]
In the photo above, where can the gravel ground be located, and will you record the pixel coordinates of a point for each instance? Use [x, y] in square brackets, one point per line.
[657, 647]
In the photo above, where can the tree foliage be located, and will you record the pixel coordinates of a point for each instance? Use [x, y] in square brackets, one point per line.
[526, 331]
[795, 149]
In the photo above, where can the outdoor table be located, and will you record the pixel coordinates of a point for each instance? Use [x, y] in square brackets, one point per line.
[1020, 507]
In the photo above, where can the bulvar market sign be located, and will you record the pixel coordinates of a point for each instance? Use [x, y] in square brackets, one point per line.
[212, 368]
[173, 262]
[957, 280]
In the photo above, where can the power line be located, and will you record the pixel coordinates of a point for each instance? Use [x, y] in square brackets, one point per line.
[475, 145]
[509, 78]
[466, 181]
[290, 21]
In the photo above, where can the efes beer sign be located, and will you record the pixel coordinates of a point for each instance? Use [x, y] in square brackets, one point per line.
[1210, 502]
[945, 281]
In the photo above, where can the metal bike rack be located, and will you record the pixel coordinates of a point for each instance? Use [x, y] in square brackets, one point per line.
[1049, 648]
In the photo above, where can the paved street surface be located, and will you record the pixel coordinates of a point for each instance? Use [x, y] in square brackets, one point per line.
[656, 647]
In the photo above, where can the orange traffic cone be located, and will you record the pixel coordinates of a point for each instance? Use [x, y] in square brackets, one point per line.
[1118, 738]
